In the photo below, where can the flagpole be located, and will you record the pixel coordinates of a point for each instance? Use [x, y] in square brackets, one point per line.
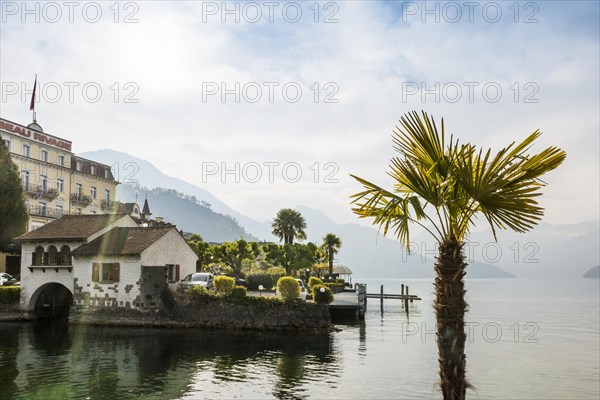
[32, 104]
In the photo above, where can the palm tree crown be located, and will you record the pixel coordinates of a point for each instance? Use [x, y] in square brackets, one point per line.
[331, 245]
[289, 224]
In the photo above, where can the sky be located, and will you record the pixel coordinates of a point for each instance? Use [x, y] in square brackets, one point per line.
[269, 105]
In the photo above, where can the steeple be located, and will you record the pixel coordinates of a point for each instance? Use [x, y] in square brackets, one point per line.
[146, 209]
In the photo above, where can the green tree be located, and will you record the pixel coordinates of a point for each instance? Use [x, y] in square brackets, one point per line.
[292, 257]
[13, 212]
[331, 245]
[202, 250]
[234, 254]
[289, 224]
[442, 186]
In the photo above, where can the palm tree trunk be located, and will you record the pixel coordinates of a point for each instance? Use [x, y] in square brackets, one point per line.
[450, 307]
[330, 261]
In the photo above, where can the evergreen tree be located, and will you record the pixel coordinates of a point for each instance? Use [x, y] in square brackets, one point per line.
[13, 213]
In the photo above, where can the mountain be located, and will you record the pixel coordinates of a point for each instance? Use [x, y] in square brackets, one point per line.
[379, 257]
[185, 212]
[592, 273]
[131, 169]
[548, 251]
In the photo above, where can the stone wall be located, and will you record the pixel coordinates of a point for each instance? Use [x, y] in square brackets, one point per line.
[218, 314]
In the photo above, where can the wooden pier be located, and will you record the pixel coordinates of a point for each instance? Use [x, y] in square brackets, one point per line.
[354, 301]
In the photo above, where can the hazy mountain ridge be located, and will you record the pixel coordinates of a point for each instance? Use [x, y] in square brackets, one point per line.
[593, 272]
[185, 213]
[555, 251]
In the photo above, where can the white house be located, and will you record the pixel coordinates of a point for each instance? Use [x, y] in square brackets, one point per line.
[99, 260]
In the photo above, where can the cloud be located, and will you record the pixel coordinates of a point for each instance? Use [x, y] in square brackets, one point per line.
[367, 64]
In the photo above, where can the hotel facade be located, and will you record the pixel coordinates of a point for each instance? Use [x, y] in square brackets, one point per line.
[56, 181]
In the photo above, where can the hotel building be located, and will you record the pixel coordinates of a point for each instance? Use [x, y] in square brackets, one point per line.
[56, 181]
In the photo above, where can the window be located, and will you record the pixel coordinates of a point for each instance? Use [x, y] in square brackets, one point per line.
[59, 210]
[43, 207]
[25, 178]
[93, 192]
[107, 195]
[44, 155]
[93, 169]
[7, 141]
[44, 183]
[65, 255]
[79, 211]
[60, 185]
[105, 272]
[78, 188]
[26, 150]
[78, 165]
[173, 272]
[38, 256]
[61, 161]
[106, 173]
[52, 255]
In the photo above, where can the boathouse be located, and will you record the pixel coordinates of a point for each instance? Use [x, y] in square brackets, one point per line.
[99, 261]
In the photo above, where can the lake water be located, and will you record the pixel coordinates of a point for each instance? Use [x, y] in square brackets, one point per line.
[528, 340]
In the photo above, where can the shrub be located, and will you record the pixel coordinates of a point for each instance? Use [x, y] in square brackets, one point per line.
[276, 273]
[238, 293]
[340, 281]
[167, 298]
[199, 294]
[288, 288]
[224, 284]
[255, 280]
[322, 297]
[313, 281]
[10, 294]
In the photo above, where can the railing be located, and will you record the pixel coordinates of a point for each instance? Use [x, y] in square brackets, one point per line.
[45, 211]
[105, 204]
[79, 198]
[41, 191]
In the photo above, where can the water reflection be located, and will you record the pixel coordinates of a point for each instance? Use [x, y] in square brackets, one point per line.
[51, 359]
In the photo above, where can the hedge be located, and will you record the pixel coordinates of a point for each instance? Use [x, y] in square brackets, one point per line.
[10, 294]
[264, 279]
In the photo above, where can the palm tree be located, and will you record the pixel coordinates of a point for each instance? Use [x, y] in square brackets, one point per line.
[289, 224]
[442, 186]
[331, 244]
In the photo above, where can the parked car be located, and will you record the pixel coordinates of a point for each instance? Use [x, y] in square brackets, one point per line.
[238, 281]
[204, 279]
[302, 295]
[8, 280]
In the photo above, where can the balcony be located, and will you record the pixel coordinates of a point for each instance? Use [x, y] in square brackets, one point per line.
[81, 199]
[41, 191]
[105, 205]
[45, 211]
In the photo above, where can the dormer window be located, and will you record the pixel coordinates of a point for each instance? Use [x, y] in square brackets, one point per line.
[93, 169]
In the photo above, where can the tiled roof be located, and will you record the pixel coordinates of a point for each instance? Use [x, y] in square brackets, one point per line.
[123, 241]
[70, 227]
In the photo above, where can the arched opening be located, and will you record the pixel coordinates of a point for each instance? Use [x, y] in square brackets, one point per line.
[38, 256]
[65, 255]
[51, 300]
[52, 255]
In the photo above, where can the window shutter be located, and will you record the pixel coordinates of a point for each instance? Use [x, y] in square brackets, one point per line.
[177, 272]
[46, 257]
[33, 258]
[116, 272]
[95, 272]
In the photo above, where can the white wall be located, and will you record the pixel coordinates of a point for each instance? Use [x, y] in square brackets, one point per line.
[171, 249]
[122, 293]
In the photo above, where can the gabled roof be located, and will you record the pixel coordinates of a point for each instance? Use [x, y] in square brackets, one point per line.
[70, 228]
[123, 241]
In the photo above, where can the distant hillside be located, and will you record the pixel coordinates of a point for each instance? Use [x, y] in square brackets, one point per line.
[131, 170]
[185, 212]
[592, 273]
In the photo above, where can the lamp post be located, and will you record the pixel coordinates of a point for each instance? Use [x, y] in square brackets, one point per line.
[260, 289]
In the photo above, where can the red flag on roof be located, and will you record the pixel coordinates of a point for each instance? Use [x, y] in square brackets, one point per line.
[32, 104]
